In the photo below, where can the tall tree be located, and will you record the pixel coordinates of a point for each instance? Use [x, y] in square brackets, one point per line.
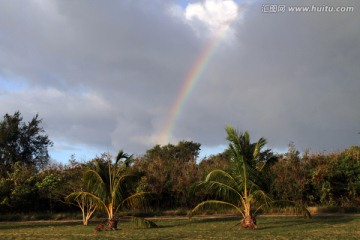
[22, 142]
[184, 151]
[290, 176]
[170, 170]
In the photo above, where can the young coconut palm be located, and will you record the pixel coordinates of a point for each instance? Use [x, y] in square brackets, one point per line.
[87, 205]
[107, 185]
[239, 188]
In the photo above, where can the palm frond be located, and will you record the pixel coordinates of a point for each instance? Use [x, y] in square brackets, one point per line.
[143, 223]
[244, 173]
[261, 200]
[122, 155]
[136, 200]
[96, 182]
[261, 196]
[120, 186]
[87, 196]
[221, 176]
[258, 146]
[221, 190]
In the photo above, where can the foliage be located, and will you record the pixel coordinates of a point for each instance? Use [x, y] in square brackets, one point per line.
[87, 205]
[289, 177]
[169, 171]
[22, 142]
[239, 188]
[184, 151]
[218, 161]
[318, 179]
[108, 185]
[75, 183]
[18, 190]
[29, 183]
[49, 187]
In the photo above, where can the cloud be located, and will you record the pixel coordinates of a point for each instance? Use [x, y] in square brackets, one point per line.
[286, 77]
[213, 15]
[105, 75]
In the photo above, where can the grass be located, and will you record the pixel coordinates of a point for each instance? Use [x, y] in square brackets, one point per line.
[329, 227]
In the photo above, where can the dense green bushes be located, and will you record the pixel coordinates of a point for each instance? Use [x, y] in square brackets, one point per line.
[316, 179]
[28, 183]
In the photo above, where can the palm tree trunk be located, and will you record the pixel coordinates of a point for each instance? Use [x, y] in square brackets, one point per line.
[112, 224]
[248, 222]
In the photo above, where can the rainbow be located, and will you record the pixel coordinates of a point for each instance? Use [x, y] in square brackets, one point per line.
[194, 75]
[188, 85]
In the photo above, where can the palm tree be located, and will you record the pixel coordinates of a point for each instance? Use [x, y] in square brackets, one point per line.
[239, 188]
[87, 205]
[108, 186]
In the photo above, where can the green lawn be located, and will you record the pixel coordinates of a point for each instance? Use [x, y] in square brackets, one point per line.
[330, 227]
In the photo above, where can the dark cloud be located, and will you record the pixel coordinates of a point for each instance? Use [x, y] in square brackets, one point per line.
[105, 74]
[288, 77]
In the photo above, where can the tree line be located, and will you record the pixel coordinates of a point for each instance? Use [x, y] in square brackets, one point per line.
[170, 174]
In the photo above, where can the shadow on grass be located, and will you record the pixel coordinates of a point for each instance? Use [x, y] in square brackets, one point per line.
[320, 221]
[221, 219]
[265, 223]
[269, 223]
[172, 225]
[34, 225]
[334, 219]
[196, 221]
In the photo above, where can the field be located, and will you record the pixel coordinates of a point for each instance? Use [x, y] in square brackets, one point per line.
[325, 227]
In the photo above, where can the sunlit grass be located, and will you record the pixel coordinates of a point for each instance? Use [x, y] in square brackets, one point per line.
[331, 227]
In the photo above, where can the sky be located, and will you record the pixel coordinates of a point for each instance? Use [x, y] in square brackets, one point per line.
[130, 74]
